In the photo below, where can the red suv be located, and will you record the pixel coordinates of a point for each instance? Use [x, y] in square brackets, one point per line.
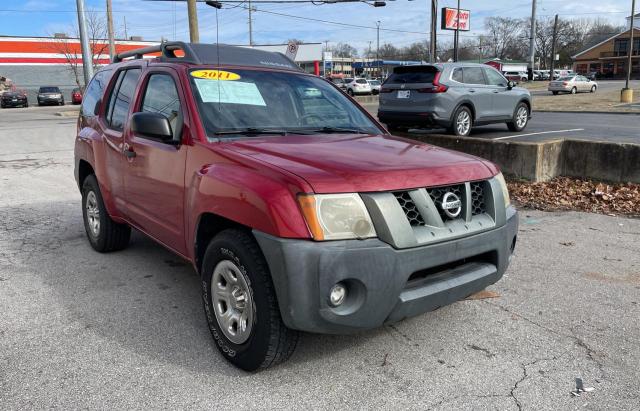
[297, 208]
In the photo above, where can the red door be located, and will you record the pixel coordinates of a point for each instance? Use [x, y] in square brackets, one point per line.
[154, 173]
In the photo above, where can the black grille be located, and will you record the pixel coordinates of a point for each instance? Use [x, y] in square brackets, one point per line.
[409, 208]
[477, 198]
[437, 193]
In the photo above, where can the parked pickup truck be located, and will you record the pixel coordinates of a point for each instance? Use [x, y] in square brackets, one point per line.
[297, 208]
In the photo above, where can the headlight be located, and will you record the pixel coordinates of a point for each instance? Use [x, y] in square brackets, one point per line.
[505, 190]
[336, 216]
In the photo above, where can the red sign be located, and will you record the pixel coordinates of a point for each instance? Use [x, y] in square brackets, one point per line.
[451, 20]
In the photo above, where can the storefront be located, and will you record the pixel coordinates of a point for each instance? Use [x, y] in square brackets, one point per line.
[609, 58]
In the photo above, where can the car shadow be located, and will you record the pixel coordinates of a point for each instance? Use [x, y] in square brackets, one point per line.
[145, 299]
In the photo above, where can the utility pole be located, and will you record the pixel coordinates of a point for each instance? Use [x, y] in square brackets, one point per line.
[456, 34]
[194, 35]
[126, 35]
[626, 96]
[112, 43]
[250, 25]
[378, 48]
[87, 60]
[434, 27]
[532, 41]
[553, 48]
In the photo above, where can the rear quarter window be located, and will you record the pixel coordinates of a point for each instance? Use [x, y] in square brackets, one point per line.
[94, 92]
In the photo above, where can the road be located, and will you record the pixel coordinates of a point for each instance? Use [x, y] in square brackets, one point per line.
[603, 85]
[126, 330]
[546, 126]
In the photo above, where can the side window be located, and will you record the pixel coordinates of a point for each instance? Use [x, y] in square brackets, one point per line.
[161, 96]
[94, 93]
[473, 75]
[122, 97]
[494, 78]
[457, 75]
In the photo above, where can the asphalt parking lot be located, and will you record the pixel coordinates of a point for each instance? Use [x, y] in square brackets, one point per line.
[126, 330]
[545, 126]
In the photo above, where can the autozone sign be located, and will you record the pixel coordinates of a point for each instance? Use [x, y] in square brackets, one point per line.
[450, 19]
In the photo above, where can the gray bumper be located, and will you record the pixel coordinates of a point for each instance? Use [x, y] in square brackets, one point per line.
[385, 284]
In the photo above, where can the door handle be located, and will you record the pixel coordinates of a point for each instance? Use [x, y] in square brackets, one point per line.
[472, 91]
[495, 91]
[130, 153]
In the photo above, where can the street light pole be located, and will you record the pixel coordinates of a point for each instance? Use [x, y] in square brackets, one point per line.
[456, 34]
[532, 43]
[112, 44]
[633, 10]
[434, 27]
[194, 35]
[87, 60]
[378, 48]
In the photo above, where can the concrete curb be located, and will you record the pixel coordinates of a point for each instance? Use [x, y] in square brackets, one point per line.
[70, 113]
[633, 113]
[542, 161]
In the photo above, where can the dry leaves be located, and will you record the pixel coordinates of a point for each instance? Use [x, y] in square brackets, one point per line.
[564, 193]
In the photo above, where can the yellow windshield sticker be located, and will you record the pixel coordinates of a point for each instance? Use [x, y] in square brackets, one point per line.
[215, 75]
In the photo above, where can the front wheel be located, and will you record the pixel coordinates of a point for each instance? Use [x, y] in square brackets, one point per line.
[240, 303]
[555, 93]
[574, 90]
[593, 89]
[350, 92]
[104, 234]
[520, 118]
[462, 121]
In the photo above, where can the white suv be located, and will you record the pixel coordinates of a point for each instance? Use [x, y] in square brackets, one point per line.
[357, 86]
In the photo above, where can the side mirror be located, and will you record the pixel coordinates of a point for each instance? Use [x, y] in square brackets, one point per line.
[511, 84]
[152, 125]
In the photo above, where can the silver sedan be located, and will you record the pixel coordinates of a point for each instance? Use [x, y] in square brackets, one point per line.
[573, 85]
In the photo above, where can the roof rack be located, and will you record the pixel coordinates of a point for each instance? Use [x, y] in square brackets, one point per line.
[214, 54]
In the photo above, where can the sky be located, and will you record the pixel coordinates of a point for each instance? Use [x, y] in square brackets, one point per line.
[154, 20]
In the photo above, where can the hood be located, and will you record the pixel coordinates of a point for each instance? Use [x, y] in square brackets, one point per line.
[349, 163]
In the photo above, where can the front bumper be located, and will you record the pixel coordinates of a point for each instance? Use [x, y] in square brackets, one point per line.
[385, 284]
[14, 103]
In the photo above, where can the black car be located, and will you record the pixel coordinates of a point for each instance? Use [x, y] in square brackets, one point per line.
[13, 99]
[50, 95]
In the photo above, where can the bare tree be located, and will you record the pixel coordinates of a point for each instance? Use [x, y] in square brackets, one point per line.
[70, 49]
[344, 50]
[502, 36]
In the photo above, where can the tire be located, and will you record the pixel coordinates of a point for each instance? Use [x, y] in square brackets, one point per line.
[350, 92]
[456, 128]
[555, 93]
[395, 127]
[593, 89]
[520, 118]
[106, 235]
[574, 90]
[61, 103]
[265, 340]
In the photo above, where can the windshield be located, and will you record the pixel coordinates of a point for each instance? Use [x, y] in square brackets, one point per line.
[361, 81]
[249, 102]
[49, 90]
[569, 78]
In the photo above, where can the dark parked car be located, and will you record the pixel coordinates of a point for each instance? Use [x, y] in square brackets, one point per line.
[76, 96]
[14, 99]
[50, 95]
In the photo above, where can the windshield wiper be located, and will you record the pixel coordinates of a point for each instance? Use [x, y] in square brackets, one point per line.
[339, 130]
[251, 131]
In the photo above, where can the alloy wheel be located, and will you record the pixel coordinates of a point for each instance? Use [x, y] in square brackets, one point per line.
[463, 123]
[521, 117]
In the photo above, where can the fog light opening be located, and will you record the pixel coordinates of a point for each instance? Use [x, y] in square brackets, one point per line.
[338, 294]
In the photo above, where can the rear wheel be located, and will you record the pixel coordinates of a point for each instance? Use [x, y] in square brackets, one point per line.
[395, 127]
[462, 121]
[593, 89]
[241, 305]
[520, 118]
[104, 234]
[574, 90]
[350, 92]
[555, 93]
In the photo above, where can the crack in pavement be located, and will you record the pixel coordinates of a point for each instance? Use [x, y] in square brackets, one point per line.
[525, 375]
[590, 352]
